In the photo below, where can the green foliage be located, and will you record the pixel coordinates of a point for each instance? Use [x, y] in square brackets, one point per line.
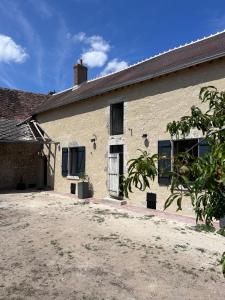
[222, 262]
[83, 177]
[141, 171]
[204, 228]
[221, 231]
[207, 190]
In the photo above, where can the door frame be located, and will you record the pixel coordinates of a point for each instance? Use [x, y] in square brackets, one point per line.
[117, 150]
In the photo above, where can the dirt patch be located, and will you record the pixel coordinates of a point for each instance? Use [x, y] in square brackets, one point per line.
[53, 247]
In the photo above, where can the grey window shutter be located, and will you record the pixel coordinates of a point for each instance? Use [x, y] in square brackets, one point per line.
[116, 118]
[64, 162]
[164, 162]
[203, 147]
[80, 160]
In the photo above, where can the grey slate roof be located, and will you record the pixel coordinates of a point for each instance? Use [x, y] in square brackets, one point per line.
[10, 132]
[179, 58]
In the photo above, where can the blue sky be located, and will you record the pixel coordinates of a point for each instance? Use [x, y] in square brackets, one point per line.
[40, 40]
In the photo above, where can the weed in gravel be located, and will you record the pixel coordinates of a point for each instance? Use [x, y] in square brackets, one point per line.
[115, 214]
[222, 262]
[202, 228]
[184, 247]
[90, 247]
[159, 247]
[97, 219]
[202, 250]
[212, 269]
[182, 230]
[188, 271]
[221, 231]
[111, 237]
[145, 217]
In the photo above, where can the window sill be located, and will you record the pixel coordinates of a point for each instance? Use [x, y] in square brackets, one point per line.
[72, 177]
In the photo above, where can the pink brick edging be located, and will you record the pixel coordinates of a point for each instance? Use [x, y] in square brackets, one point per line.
[142, 210]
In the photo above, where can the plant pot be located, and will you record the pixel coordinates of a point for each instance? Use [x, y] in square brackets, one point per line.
[83, 190]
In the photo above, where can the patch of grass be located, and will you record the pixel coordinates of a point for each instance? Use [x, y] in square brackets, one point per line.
[202, 250]
[212, 269]
[181, 246]
[97, 219]
[90, 247]
[203, 228]
[159, 247]
[59, 249]
[118, 215]
[167, 265]
[111, 237]
[53, 242]
[188, 271]
[145, 217]
[222, 262]
[115, 214]
[221, 231]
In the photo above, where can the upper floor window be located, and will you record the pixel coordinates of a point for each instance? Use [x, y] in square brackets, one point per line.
[116, 118]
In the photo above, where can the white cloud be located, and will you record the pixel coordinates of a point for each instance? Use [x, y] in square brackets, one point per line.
[79, 37]
[98, 43]
[10, 51]
[96, 54]
[114, 66]
[94, 58]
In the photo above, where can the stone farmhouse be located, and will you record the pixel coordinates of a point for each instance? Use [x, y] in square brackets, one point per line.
[97, 125]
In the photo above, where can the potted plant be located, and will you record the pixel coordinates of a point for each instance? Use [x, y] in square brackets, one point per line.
[83, 187]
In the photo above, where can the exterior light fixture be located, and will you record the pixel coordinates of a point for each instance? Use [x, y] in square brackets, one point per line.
[93, 141]
[145, 138]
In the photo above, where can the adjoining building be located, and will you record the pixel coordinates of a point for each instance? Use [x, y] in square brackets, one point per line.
[22, 162]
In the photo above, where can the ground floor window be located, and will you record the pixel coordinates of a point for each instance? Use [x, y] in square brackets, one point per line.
[73, 161]
[168, 149]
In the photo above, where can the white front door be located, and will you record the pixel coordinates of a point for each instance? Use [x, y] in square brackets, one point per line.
[114, 174]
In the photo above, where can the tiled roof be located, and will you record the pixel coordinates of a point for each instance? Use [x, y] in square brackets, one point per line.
[16, 104]
[176, 59]
[9, 131]
[26, 131]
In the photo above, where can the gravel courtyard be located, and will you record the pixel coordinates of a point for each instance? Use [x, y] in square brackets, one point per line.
[53, 247]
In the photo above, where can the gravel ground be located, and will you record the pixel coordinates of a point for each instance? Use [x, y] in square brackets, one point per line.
[53, 247]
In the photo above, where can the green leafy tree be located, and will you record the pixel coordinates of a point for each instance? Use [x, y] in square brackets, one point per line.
[202, 179]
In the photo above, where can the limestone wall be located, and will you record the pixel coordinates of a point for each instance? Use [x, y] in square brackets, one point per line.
[149, 106]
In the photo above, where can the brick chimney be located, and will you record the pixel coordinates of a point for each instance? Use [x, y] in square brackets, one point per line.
[80, 73]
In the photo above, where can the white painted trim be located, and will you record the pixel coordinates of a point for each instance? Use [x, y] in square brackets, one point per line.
[60, 92]
[69, 177]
